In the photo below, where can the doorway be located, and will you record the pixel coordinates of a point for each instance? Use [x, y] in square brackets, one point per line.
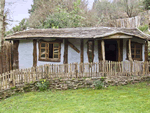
[111, 50]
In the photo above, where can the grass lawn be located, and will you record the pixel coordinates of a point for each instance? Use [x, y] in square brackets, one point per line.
[114, 99]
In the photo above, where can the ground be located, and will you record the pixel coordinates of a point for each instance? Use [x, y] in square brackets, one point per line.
[114, 99]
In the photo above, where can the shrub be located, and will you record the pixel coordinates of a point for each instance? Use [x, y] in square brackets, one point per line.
[99, 84]
[143, 28]
[42, 85]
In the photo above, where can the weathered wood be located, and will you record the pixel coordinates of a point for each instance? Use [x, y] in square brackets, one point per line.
[146, 51]
[73, 47]
[129, 52]
[15, 55]
[117, 36]
[99, 51]
[82, 51]
[65, 51]
[92, 50]
[103, 49]
[34, 53]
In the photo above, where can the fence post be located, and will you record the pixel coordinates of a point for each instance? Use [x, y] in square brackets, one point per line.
[143, 68]
[76, 70]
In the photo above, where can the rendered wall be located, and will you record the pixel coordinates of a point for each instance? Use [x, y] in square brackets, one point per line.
[74, 56]
[25, 50]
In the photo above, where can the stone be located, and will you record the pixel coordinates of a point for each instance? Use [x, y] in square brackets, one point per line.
[88, 79]
[89, 82]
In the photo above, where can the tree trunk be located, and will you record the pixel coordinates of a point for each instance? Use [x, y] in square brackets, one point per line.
[2, 5]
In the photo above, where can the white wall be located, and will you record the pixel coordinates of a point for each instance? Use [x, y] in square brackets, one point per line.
[25, 51]
[134, 40]
[74, 56]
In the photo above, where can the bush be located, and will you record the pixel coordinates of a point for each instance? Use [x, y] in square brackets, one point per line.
[42, 85]
[99, 84]
[143, 28]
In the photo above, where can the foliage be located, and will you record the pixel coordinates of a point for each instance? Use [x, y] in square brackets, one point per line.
[22, 26]
[70, 13]
[99, 84]
[42, 85]
[143, 28]
[123, 99]
[107, 10]
[146, 4]
[131, 7]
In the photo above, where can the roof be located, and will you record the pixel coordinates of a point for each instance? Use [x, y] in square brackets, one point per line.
[94, 32]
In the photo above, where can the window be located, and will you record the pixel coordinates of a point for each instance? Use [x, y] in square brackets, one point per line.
[136, 51]
[49, 51]
[90, 50]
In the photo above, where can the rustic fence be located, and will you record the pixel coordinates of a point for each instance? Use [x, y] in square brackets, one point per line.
[74, 70]
[6, 57]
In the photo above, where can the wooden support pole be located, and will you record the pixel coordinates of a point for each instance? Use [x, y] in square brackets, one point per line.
[146, 51]
[34, 53]
[81, 55]
[103, 49]
[65, 51]
[82, 51]
[16, 54]
[99, 51]
[129, 54]
[119, 51]
[66, 55]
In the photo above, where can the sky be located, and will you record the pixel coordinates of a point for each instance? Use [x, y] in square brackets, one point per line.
[18, 9]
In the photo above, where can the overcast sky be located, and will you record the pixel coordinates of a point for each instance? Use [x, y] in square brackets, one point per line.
[19, 10]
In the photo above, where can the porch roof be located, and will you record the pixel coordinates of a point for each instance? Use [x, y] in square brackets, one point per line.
[93, 32]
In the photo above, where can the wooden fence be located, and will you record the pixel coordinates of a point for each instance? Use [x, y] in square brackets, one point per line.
[74, 70]
[6, 57]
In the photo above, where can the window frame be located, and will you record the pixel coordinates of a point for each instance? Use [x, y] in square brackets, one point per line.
[135, 50]
[47, 51]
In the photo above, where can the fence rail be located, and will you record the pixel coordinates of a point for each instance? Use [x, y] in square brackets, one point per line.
[74, 70]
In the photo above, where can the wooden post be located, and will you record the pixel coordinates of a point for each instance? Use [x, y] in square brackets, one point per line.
[146, 51]
[66, 54]
[130, 57]
[15, 57]
[81, 55]
[103, 49]
[82, 51]
[129, 54]
[65, 51]
[34, 53]
[99, 51]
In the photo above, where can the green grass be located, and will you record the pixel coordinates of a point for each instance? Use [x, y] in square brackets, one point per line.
[115, 99]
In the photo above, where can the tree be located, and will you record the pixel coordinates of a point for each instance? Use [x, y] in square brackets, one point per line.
[22, 26]
[69, 13]
[106, 10]
[146, 4]
[131, 7]
[2, 18]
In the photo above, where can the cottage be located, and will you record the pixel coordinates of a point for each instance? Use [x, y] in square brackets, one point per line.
[36, 47]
